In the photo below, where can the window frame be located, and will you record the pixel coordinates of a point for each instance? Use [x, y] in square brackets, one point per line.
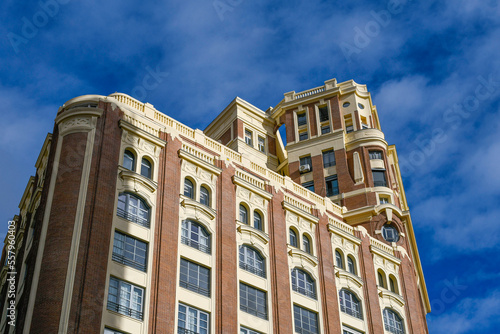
[252, 296]
[309, 185]
[321, 115]
[261, 143]
[310, 316]
[189, 194]
[251, 260]
[119, 254]
[301, 118]
[351, 265]
[375, 155]
[243, 214]
[390, 233]
[306, 244]
[132, 160]
[331, 190]
[327, 158]
[396, 319]
[132, 212]
[118, 307]
[303, 283]
[339, 258]
[350, 304]
[148, 172]
[303, 135]
[199, 284]
[249, 137]
[205, 197]
[188, 312]
[295, 238]
[258, 223]
[202, 233]
[376, 180]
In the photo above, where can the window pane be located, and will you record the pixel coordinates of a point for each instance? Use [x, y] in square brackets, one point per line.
[243, 214]
[328, 158]
[188, 189]
[303, 135]
[303, 283]
[253, 301]
[252, 261]
[204, 196]
[309, 185]
[323, 114]
[293, 238]
[257, 221]
[196, 236]
[129, 251]
[301, 119]
[305, 320]
[350, 304]
[195, 277]
[379, 178]
[129, 160]
[332, 186]
[146, 168]
[125, 298]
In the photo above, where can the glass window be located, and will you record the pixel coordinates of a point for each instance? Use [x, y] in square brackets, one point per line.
[146, 168]
[303, 135]
[188, 188]
[301, 119]
[392, 284]
[133, 208]
[338, 260]
[293, 238]
[195, 277]
[248, 137]
[244, 330]
[381, 282]
[350, 304]
[325, 129]
[309, 185]
[243, 214]
[306, 244]
[393, 322]
[303, 283]
[349, 128]
[375, 155]
[253, 301]
[125, 298]
[262, 145]
[306, 321]
[204, 196]
[191, 320]
[379, 178]
[346, 104]
[112, 331]
[257, 221]
[328, 158]
[196, 236]
[361, 106]
[252, 261]
[347, 330]
[130, 251]
[384, 200]
[350, 265]
[323, 114]
[390, 233]
[306, 161]
[129, 160]
[332, 186]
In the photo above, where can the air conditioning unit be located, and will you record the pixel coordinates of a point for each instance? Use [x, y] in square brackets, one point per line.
[304, 168]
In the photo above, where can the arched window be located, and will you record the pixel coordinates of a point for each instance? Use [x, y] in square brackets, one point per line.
[196, 236]
[393, 284]
[133, 208]
[306, 244]
[243, 214]
[257, 221]
[338, 260]
[351, 267]
[129, 160]
[350, 304]
[188, 188]
[381, 279]
[393, 322]
[204, 196]
[293, 238]
[252, 261]
[303, 283]
[146, 168]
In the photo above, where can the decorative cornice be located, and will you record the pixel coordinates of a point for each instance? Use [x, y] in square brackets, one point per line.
[141, 133]
[239, 181]
[300, 212]
[199, 162]
[340, 273]
[252, 232]
[126, 174]
[78, 120]
[300, 254]
[344, 234]
[207, 211]
[391, 296]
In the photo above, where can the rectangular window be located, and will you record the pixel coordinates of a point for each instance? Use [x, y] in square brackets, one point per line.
[192, 321]
[130, 251]
[301, 119]
[305, 321]
[112, 331]
[248, 138]
[262, 145]
[253, 301]
[244, 330]
[305, 164]
[375, 155]
[325, 129]
[347, 330]
[195, 277]
[328, 158]
[303, 136]
[379, 178]
[125, 298]
[349, 129]
[384, 200]
[332, 186]
[309, 185]
[323, 114]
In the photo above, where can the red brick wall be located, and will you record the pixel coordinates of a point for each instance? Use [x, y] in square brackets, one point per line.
[271, 144]
[226, 261]
[226, 137]
[318, 175]
[287, 118]
[164, 274]
[96, 236]
[337, 119]
[293, 167]
[312, 121]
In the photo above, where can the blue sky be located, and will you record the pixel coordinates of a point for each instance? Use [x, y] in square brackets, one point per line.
[432, 68]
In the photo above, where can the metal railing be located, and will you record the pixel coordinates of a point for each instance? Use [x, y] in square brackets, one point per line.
[195, 244]
[133, 218]
[304, 291]
[352, 312]
[128, 262]
[181, 330]
[255, 312]
[195, 288]
[393, 329]
[125, 310]
[253, 270]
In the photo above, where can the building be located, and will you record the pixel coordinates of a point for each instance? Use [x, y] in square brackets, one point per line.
[136, 223]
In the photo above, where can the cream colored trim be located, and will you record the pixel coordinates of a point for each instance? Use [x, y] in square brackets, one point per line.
[391, 296]
[75, 243]
[344, 234]
[301, 255]
[252, 232]
[141, 133]
[300, 212]
[199, 162]
[340, 273]
[43, 237]
[132, 177]
[385, 255]
[187, 202]
[241, 182]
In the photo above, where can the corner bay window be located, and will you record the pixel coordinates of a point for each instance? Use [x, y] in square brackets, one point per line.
[192, 321]
[125, 298]
[133, 208]
[196, 236]
[252, 261]
[253, 301]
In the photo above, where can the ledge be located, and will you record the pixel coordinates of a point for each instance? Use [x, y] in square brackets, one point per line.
[141, 133]
[297, 253]
[188, 202]
[197, 161]
[386, 294]
[241, 182]
[300, 212]
[350, 237]
[341, 273]
[245, 229]
[126, 174]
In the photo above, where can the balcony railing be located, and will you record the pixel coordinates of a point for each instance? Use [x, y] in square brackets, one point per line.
[352, 312]
[304, 331]
[133, 218]
[196, 244]
[253, 270]
[181, 330]
[393, 329]
[125, 310]
[126, 261]
[380, 183]
[254, 312]
[304, 292]
[195, 288]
